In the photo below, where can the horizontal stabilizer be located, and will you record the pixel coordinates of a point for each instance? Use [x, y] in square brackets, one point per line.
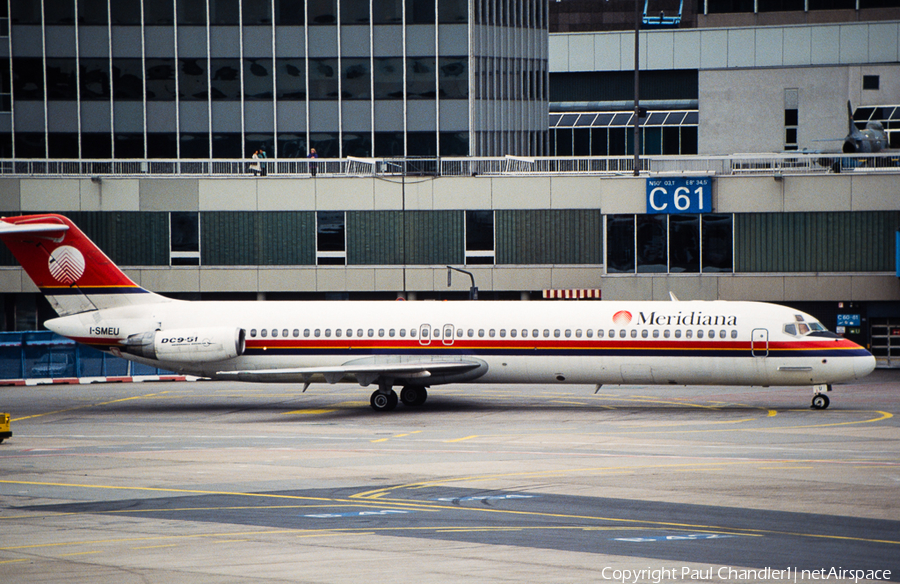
[9, 228]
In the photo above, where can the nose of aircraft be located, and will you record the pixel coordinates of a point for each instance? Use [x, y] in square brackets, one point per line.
[864, 365]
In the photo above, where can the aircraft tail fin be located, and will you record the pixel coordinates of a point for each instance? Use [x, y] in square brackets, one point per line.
[851, 127]
[71, 271]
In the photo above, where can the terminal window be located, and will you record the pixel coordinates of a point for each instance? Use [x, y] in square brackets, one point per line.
[672, 244]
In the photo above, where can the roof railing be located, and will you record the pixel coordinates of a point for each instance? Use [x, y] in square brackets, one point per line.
[737, 164]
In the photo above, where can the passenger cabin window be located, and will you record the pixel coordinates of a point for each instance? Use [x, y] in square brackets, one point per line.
[305, 332]
[296, 333]
[633, 333]
[688, 333]
[699, 334]
[252, 332]
[645, 333]
[263, 333]
[677, 333]
[734, 334]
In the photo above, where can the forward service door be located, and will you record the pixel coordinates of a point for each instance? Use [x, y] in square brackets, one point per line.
[759, 343]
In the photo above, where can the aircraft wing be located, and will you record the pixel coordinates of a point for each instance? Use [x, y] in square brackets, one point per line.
[364, 373]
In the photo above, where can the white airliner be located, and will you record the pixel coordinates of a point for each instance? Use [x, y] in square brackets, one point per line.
[417, 345]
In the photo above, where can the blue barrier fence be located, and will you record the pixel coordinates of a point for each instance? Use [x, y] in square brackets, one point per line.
[40, 354]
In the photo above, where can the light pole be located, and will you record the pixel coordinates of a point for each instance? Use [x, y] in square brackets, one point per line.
[637, 89]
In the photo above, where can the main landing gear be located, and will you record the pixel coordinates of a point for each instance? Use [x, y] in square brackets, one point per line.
[820, 401]
[384, 399]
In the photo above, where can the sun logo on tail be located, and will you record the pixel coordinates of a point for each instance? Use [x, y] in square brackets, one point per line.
[66, 264]
[622, 317]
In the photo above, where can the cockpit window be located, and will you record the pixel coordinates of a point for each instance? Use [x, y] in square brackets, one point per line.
[804, 328]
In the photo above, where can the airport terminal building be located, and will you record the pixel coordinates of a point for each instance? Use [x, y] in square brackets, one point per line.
[488, 135]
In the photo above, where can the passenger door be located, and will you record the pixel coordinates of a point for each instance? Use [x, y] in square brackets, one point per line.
[759, 343]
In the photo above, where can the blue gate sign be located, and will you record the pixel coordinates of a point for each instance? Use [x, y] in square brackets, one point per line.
[675, 195]
[848, 320]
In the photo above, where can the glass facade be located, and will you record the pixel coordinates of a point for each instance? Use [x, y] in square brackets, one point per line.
[611, 133]
[223, 78]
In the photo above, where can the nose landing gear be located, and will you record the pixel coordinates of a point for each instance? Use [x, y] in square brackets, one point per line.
[820, 401]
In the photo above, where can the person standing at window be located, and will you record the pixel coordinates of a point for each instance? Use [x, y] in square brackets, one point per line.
[312, 164]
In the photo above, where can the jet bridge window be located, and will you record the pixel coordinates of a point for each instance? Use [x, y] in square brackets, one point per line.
[184, 238]
[331, 243]
[479, 237]
[683, 243]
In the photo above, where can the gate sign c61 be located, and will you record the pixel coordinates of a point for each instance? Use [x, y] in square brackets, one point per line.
[674, 195]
